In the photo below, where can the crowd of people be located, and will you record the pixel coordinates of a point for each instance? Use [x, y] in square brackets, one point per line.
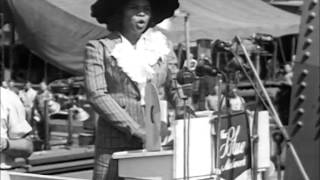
[33, 101]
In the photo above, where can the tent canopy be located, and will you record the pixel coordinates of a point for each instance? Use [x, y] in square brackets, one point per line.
[57, 30]
[223, 19]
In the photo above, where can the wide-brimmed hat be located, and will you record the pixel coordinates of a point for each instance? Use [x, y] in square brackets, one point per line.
[104, 10]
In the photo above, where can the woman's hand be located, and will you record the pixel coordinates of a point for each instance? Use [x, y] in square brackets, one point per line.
[141, 134]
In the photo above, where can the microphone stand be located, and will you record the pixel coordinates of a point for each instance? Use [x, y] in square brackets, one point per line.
[186, 134]
[273, 112]
[186, 116]
[184, 94]
[217, 171]
[278, 138]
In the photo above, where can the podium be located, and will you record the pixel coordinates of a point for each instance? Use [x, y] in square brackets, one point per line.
[167, 164]
[235, 153]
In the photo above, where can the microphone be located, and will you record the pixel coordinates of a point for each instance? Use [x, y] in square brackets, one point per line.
[185, 78]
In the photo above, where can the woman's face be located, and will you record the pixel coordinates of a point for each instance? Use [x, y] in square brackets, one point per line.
[137, 14]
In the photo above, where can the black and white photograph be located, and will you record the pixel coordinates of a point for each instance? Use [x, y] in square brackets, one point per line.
[159, 90]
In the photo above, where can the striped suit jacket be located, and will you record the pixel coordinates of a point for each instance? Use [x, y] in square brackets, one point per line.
[117, 98]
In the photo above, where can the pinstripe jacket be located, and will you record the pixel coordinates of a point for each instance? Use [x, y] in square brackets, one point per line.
[117, 98]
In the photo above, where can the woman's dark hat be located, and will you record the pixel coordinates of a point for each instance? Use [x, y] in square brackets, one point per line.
[104, 10]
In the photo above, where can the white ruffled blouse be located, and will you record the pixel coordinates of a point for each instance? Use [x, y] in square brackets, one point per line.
[137, 61]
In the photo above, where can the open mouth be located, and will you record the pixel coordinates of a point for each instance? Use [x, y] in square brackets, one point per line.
[141, 23]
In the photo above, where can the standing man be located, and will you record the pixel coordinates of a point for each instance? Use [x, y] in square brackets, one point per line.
[206, 81]
[15, 140]
[28, 95]
[39, 108]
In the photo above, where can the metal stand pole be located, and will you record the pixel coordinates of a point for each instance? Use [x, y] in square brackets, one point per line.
[187, 36]
[46, 127]
[186, 132]
[254, 144]
[274, 112]
[70, 119]
[186, 120]
[217, 157]
[278, 167]
[278, 138]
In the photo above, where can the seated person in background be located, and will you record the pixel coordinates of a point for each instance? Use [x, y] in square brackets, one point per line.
[237, 103]
[288, 74]
[15, 140]
[282, 101]
[211, 101]
[285, 74]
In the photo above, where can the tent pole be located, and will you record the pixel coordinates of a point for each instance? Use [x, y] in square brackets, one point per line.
[29, 66]
[45, 72]
[187, 35]
[275, 60]
[293, 48]
[2, 45]
[12, 45]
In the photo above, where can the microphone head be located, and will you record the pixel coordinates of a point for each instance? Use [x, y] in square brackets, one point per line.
[185, 78]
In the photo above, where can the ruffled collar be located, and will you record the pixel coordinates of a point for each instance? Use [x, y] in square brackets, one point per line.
[137, 61]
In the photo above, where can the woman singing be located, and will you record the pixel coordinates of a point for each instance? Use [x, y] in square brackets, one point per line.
[117, 68]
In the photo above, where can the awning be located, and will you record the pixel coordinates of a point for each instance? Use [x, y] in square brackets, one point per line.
[57, 30]
[223, 19]
[55, 34]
